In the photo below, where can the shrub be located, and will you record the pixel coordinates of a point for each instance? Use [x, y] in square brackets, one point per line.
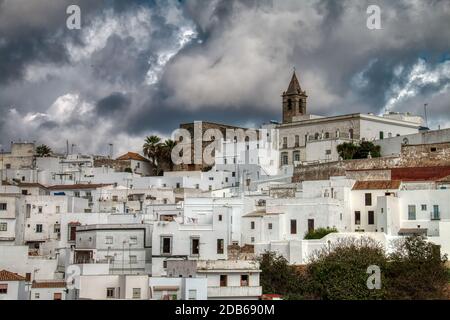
[319, 233]
[416, 270]
[339, 271]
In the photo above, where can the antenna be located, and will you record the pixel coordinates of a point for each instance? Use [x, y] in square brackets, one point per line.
[425, 112]
[111, 148]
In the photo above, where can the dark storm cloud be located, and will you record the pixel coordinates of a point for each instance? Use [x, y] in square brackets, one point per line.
[146, 66]
[112, 104]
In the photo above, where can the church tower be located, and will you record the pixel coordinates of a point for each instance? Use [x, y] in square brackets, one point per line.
[294, 100]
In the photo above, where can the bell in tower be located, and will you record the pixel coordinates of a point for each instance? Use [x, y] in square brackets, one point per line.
[294, 100]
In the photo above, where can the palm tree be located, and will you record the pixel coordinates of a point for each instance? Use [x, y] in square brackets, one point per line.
[43, 151]
[152, 149]
[167, 153]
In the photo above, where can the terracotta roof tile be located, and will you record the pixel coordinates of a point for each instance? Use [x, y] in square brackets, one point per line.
[420, 173]
[10, 276]
[376, 185]
[79, 186]
[132, 156]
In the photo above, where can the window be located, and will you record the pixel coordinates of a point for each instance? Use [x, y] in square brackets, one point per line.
[210, 188]
[40, 209]
[109, 240]
[57, 296]
[293, 226]
[211, 178]
[3, 226]
[133, 240]
[197, 186]
[310, 225]
[327, 152]
[233, 174]
[289, 104]
[284, 159]
[72, 232]
[37, 296]
[296, 156]
[424, 207]
[8, 166]
[110, 292]
[220, 246]
[220, 217]
[244, 280]
[357, 217]
[3, 288]
[25, 192]
[252, 239]
[284, 142]
[368, 199]
[38, 228]
[3, 206]
[223, 280]
[166, 245]
[58, 209]
[76, 194]
[350, 133]
[381, 135]
[133, 259]
[411, 212]
[136, 293]
[192, 295]
[297, 141]
[433, 149]
[115, 198]
[195, 246]
[327, 135]
[252, 225]
[178, 185]
[371, 217]
[436, 213]
[56, 228]
[269, 226]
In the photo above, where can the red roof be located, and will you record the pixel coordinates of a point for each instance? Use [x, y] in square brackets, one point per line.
[376, 185]
[78, 186]
[10, 276]
[132, 156]
[420, 173]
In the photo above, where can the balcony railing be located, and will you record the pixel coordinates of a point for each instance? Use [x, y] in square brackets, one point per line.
[236, 291]
[435, 216]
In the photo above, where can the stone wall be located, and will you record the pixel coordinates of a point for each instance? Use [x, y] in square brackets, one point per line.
[411, 156]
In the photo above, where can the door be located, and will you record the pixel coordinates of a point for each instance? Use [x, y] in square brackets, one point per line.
[57, 296]
[310, 225]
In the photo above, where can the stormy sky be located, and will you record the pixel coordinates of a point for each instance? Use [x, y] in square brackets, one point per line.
[141, 67]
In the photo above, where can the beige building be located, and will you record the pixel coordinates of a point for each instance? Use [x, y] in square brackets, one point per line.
[21, 156]
[306, 138]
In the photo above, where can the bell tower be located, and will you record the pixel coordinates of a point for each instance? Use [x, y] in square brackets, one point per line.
[294, 100]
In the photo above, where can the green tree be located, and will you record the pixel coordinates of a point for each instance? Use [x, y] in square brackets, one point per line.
[43, 151]
[319, 233]
[349, 150]
[278, 277]
[152, 148]
[166, 154]
[416, 270]
[339, 271]
[366, 147]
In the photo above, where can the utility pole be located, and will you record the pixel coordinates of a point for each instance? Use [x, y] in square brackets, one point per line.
[425, 112]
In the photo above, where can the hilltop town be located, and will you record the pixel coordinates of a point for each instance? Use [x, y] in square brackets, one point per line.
[189, 218]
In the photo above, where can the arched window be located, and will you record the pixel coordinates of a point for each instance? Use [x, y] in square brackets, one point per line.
[350, 133]
[327, 135]
[289, 104]
[316, 136]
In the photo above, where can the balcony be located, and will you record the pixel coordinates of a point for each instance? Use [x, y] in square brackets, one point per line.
[222, 292]
[435, 216]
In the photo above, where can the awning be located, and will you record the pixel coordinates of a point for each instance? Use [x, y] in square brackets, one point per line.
[412, 231]
[166, 288]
